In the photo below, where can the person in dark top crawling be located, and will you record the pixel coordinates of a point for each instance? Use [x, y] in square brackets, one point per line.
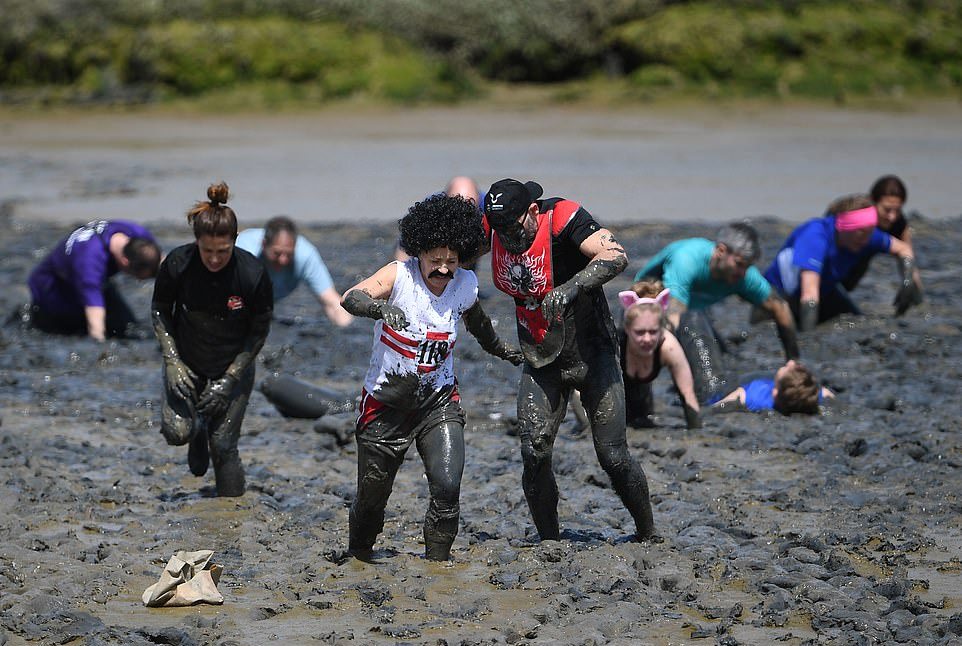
[553, 258]
[211, 312]
[888, 194]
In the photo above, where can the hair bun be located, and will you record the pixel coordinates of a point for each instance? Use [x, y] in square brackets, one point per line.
[218, 193]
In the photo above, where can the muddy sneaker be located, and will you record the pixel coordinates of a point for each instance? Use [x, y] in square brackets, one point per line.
[198, 454]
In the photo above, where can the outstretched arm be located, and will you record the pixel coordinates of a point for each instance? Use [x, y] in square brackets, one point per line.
[910, 291]
[811, 283]
[479, 324]
[673, 356]
[784, 323]
[330, 300]
[368, 298]
[608, 259]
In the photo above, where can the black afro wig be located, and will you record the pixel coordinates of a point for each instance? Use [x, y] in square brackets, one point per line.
[442, 221]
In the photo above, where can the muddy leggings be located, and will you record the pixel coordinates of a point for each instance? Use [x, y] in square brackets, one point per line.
[703, 351]
[384, 435]
[178, 425]
[542, 401]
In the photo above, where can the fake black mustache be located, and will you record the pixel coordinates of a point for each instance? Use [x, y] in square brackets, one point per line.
[437, 274]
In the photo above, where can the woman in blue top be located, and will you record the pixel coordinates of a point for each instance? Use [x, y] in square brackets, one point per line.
[820, 253]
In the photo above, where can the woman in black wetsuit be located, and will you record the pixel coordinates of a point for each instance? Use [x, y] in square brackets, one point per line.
[646, 346]
[211, 311]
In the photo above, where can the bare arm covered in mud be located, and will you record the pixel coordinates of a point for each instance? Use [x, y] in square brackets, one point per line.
[779, 310]
[811, 283]
[479, 325]
[608, 259]
[910, 290]
[368, 298]
[673, 356]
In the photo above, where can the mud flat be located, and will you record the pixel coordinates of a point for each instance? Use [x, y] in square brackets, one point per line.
[837, 529]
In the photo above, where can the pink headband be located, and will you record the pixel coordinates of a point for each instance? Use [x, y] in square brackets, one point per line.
[629, 299]
[859, 219]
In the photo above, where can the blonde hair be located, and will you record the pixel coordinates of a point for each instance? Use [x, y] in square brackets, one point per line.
[646, 288]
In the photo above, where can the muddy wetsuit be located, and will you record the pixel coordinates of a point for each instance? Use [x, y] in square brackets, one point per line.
[639, 402]
[75, 275]
[855, 275]
[410, 396]
[579, 352]
[211, 325]
[812, 247]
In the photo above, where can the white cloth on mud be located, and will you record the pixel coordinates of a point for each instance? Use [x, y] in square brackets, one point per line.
[188, 578]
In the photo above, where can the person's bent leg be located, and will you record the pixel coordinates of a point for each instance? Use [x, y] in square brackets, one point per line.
[542, 402]
[604, 398]
[177, 415]
[704, 355]
[441, 446]
[224, 433]
[381, 444]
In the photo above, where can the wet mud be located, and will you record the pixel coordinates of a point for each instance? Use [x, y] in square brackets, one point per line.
[843, 528]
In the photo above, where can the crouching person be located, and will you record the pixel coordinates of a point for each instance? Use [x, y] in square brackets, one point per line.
[211, 312]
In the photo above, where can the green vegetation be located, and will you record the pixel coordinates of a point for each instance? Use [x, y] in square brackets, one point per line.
[279, 52]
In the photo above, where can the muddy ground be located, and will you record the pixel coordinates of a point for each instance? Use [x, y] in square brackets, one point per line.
[838, 529]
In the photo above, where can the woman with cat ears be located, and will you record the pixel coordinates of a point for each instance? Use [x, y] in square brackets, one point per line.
[646, 347]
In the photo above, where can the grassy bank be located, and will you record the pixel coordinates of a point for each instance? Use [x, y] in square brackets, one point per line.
[308, 52]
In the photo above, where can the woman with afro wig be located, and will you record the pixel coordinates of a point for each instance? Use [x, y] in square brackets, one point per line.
[410, 394]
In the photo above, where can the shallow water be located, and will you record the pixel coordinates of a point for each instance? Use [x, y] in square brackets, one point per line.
[637, 164]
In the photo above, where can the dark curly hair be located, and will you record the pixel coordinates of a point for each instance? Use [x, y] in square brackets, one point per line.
[442, 221]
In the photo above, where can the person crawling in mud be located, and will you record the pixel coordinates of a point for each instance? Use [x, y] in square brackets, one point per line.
[646, 347]
[818, 256]
[553, 258]
[699, 273]
[211, 308]
[410, 393]
[793, 389]
[71, 291]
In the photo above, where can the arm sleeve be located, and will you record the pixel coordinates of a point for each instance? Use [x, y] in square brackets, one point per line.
[678, 274]
[880, 242]
[809, 250]
[89, 260]
[310, 268]
[572, 222]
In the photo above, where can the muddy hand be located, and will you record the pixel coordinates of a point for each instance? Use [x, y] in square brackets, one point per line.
[393, 316]
[510, 353]
[180, 378]
[692, 417]
[216, 397]
[909, 294]
[557, 301]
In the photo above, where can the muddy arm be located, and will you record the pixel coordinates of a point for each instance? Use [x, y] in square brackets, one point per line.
[479, 324]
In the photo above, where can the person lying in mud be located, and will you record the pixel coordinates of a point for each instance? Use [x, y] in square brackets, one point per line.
[646, 347]
[793, 389]
[71, 290]
[291, 259]
[212, 309]
[820, 253]
[410, 394]
[553, 258]
[699, 273]
[888, 194]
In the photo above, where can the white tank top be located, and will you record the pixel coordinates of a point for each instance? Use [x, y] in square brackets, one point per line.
[408, 366]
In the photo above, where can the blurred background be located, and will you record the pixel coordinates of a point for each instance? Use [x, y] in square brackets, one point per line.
[334, 109]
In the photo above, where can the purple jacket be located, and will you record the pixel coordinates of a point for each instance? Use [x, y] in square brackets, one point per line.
[74, 273]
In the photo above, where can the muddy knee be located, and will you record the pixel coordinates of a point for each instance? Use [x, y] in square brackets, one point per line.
[175, 428]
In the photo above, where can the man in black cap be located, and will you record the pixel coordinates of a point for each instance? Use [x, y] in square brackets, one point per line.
[552, 257]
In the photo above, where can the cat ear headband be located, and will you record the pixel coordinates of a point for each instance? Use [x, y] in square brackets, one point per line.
[629, 299]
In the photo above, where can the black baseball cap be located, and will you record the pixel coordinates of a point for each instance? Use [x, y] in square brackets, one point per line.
[507, 199]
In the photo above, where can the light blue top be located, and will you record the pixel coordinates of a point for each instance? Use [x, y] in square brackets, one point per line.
[307, 265]
[683, 266]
